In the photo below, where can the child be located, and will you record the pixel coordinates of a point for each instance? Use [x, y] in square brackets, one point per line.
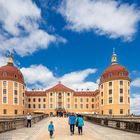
[51, 129]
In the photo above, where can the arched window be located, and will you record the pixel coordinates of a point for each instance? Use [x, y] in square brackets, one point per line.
[59, 94]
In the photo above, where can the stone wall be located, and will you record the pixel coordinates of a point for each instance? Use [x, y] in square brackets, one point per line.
[10, 123]
[126, 124]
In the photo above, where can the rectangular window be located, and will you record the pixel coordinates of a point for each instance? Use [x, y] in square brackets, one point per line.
[68, 99]
[81, 99]
[68, 105]
[4, 83]
[4, 111]
[75, 99]
[121, 82]
[121, 111]
[110, 83]
[4, 91]
[39, 100]
[101, 93]
[16, 112]
[29, 105]
[44, 100]
[34, 106]
[101, 86]
[102, 102]
[51, 99]
[15, 92]
[44, 105]
[128, 100]
[110, 91]
[121, 90]
[121, 99]
[102, 112]
[128, 91]
[75, 106]
[39, 105]
[15, 84]
[110, 111]
[86, 99]
[81, 106]
[59, 105]
[92, 106]
[87, 106]
[110, 100]
[92, 99]
[5, 100]
[15, 100]
[51, 105]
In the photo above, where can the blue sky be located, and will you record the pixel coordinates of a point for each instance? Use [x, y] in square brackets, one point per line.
[71, 41]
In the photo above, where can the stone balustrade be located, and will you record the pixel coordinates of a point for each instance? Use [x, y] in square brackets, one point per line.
[129, 124]
[10, 123]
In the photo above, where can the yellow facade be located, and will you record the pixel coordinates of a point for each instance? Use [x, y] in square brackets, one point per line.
[66, 101]
[112, 97]
[12, 98]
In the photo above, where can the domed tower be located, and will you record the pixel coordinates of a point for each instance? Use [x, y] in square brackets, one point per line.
[12, 89]
[115, 89]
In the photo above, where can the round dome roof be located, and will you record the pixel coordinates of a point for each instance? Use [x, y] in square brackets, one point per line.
[10, 72]
[113, 72]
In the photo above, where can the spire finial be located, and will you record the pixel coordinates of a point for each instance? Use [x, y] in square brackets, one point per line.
[114, 57]
[59, 82]
[10, 59]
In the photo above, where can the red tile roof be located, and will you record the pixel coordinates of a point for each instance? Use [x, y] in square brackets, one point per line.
[60, 87]
[10, 72]
[86, 93]
[35, 93]
[114, 72]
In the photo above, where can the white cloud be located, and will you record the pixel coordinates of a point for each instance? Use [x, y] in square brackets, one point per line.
[20, 31]
[3, 60]
[135, 104]
[39, 76]
[76, 80]
[104, 17]
[136, 83]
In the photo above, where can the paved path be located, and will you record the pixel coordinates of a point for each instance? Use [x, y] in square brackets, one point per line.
[39, 131]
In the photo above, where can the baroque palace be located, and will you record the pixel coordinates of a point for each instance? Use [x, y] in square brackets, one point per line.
[111, 98]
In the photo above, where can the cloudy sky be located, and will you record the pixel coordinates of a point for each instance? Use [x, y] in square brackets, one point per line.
[71, 41]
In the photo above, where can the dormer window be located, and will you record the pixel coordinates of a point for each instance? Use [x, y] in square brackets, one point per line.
[109, 75]
[121, 74]
[4, 74]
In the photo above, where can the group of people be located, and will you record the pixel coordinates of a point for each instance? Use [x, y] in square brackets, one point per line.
[74, 120]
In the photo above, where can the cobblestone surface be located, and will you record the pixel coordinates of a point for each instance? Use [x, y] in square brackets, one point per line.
[91, 131]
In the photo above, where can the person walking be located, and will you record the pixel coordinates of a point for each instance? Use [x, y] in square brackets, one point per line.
[51, 129]
[80, 123]
[72, 122]
[29, 119]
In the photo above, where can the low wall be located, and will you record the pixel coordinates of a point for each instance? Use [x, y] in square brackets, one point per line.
[10, 123]
[121, 124]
